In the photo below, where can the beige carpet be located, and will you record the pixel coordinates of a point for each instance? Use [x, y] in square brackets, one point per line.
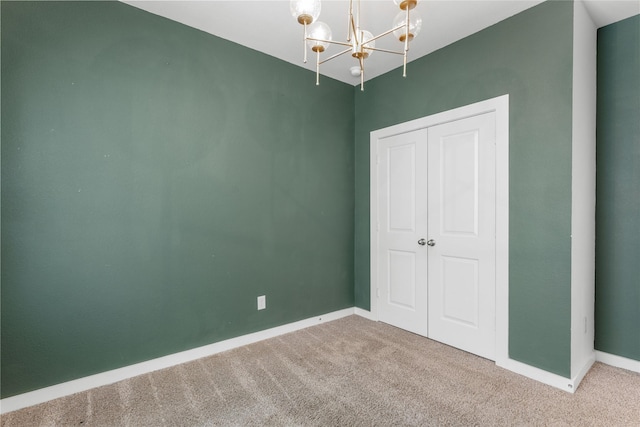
[350, 372]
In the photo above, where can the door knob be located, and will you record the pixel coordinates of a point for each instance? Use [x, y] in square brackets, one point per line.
[431, 242]
[422, 242]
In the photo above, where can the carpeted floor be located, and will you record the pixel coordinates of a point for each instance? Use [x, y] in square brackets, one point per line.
[350, 372]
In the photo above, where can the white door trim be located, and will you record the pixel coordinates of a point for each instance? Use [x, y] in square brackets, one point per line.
[499, 105]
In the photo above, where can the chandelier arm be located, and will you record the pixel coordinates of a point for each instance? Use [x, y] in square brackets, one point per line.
[317, 68]
[406, 45]
[304, 43]
[384, 34]
[329, 41]
[335, 56]
[406, 34]
[384, 50]
[361, 60]
[404, 64]
[350, 19]
[354, 30]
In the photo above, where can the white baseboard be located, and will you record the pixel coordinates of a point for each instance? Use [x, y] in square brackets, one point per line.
[584, 370]
[618, 361]
[554, 380]
[109, 377]
[538, 374]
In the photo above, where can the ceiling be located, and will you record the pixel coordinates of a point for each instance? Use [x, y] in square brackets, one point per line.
[267, 25]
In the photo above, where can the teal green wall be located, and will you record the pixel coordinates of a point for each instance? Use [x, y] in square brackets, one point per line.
[529, 57]
[155, 181]
[617, 310]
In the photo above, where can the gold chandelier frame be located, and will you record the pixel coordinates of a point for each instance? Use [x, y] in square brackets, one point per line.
[356, 43]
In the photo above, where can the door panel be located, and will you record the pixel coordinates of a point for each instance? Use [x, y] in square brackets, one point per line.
[459, 196]
[460, 290]
[402, 205]
[402, 191]
[402, 279]
[461, 206]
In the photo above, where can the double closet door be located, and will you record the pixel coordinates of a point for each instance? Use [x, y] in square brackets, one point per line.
[436, 233]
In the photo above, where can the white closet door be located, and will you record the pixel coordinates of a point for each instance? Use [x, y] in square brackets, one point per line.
[461, 228]
[402, 208]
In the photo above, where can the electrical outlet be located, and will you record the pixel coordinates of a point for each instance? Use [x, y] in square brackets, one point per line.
[262, 302]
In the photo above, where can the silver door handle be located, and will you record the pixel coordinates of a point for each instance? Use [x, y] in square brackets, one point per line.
[422, 242]
[431, 242]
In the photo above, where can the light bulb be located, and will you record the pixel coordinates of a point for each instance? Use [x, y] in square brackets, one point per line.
[366, 36]
[362, 51]
[318, 30]
[305, 11]
[403, 4]
[415, 23]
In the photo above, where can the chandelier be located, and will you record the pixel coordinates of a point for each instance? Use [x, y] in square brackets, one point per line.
[361, 43]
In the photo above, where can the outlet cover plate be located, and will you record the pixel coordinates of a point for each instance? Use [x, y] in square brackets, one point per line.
[262, 302]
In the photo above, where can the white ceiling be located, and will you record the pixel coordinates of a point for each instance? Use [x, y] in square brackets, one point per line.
[267, 25]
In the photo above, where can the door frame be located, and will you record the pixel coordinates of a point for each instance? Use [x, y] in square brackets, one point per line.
[500, 106]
